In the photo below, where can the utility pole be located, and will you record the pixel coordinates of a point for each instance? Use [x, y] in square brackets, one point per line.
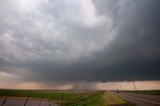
[121, 87]
[134, 86]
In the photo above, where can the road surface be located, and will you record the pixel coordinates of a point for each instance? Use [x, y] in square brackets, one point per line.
[141, 100]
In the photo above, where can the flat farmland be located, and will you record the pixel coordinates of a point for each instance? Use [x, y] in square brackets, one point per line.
[59, 98]
[68, 98]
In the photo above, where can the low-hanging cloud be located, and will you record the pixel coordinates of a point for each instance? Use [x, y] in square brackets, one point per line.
[80, 41]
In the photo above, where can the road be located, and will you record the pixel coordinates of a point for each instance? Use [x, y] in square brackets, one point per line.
[141, 100]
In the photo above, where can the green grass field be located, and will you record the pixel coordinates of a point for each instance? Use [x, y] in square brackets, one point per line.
[70, 98]
[112, 99]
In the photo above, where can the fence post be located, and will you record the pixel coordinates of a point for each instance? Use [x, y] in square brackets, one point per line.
[26, 101]
[4, 101]
[41, 101]
[50, 101]
[62, 98]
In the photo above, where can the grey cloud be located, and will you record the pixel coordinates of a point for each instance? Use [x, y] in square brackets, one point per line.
[117, 41]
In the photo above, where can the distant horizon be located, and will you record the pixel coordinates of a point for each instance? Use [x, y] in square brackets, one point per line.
[124, 85]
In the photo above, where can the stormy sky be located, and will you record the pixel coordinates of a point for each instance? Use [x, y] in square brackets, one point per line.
[67, 41]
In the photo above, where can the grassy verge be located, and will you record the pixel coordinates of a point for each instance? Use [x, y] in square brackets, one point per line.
[111, 99]
[92, 100]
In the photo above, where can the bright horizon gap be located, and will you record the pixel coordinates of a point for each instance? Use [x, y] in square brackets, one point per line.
[140, 85]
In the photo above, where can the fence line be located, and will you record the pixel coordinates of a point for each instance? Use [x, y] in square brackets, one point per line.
[61, 100]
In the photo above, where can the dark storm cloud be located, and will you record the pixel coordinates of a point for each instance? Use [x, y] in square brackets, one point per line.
[98, 40]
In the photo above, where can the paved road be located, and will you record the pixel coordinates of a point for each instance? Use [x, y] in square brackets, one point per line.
[141, 100]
